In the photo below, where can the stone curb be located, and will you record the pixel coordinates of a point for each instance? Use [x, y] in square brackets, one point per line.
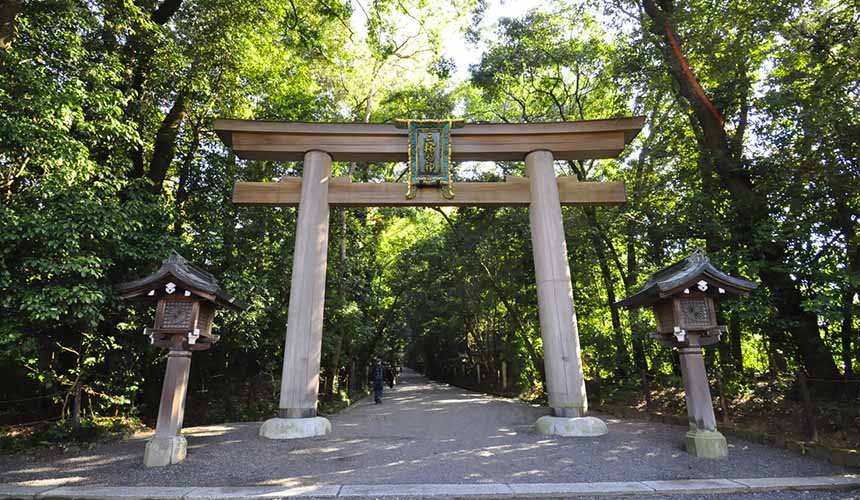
[434, 491]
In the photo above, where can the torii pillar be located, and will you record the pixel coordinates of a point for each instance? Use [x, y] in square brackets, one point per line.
[300, 379]
[544, 193]
[559, 332]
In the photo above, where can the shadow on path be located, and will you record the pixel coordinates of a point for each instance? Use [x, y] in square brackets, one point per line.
[423, 432]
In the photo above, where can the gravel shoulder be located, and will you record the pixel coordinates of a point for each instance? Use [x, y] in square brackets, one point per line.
[424, 432]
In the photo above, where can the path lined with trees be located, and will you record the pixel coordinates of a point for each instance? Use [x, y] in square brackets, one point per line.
[108, 161]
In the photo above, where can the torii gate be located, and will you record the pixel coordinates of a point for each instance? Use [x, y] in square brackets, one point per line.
[318, 144]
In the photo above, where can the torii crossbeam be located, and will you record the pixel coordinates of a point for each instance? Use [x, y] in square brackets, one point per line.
[539, 144]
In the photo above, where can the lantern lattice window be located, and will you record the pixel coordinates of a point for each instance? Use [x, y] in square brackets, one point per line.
[178, 315]
[696, 314]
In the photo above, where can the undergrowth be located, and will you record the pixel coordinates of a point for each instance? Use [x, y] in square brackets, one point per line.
[62, 434]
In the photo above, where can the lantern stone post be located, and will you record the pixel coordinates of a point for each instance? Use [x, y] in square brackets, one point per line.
[559, 332]
[186, 298]
[684, 298]
[168, 446]
[297, 414]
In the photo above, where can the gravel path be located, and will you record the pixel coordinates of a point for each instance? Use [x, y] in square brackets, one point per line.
[424, 432]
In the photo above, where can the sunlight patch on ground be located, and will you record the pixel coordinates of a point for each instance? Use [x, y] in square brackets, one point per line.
[288, 482]
[533, 472]
[624, 449]
[33, 470]
[314, 451]
[58, 481]
[232, 441]
[84, 467]
[209, 430]
[142, 434]
[459, 401]
[77, 460]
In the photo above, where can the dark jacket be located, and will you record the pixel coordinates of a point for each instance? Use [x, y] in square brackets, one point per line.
[378, 375]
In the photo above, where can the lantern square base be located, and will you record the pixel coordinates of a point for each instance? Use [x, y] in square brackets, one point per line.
[161, 451]
[706, 444]
[571, 426]
[295, 428]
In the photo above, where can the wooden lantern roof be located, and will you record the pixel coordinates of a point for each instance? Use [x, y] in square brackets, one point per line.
[685, 274]
[185, 275]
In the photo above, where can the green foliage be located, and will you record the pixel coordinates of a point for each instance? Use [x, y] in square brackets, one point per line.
[64, 435]
[108, 161]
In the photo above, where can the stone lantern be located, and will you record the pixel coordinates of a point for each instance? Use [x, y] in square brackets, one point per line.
[684, 298]
[186, 299]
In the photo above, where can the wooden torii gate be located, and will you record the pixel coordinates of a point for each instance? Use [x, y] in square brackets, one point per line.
[539, 144]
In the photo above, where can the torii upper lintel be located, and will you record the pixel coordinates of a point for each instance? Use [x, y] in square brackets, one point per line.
[289, 141]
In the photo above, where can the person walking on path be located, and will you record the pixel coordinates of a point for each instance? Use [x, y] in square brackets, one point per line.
[378, 380]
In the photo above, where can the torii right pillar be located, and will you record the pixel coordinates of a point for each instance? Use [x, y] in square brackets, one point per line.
[559, 332]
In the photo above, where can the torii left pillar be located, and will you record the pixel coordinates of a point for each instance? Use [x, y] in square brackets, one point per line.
[297, 410]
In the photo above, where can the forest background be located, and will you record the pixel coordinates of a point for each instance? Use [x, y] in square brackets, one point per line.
[109, 161]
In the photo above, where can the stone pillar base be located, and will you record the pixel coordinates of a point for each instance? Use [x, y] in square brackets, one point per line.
[571, 426]
[295, 428]
[161, 451]
[706, 444]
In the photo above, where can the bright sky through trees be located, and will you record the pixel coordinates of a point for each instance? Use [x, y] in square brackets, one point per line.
[466, 54]
[456, 46]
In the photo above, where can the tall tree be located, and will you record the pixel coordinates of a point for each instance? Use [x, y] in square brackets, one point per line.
[749, 205]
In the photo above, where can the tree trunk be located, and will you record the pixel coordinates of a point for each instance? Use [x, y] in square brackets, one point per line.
[139, 51]
[165, 142]
[735, 341]
[341, 290]
[749, 208]
[182, 191]
[637, 327]
[622, 356]
[76, 405]
[850, 288]
[9, 10]
[630, 274]
[165, 11]
[847, 333]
